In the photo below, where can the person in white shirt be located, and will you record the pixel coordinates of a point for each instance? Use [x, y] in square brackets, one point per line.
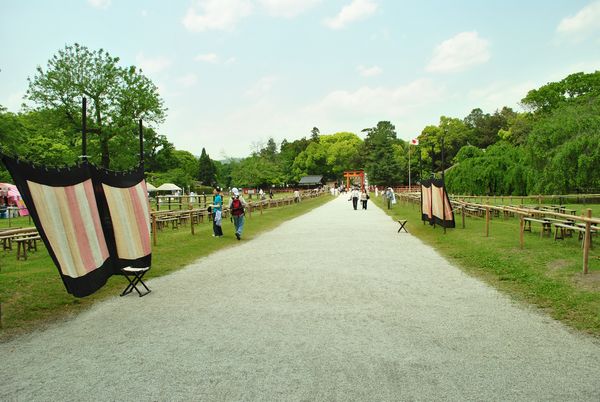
[355, 196]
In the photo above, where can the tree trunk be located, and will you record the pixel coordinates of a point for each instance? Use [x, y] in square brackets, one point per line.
[104, 151]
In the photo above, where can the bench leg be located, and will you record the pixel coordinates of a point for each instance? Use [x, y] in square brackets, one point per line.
[21, 250]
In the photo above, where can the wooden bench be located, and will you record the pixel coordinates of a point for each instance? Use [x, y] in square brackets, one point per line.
[566, 230]
[11, 235]
[546, 225]
[26, 243]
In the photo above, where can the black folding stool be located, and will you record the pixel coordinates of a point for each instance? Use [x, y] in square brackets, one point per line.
[134, 276]
[402, 223]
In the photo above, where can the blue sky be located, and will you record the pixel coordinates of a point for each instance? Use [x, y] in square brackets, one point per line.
[235, 72]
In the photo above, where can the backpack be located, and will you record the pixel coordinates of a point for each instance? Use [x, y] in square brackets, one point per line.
[236, 207]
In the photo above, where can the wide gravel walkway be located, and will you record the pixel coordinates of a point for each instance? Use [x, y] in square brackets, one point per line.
[331, 306]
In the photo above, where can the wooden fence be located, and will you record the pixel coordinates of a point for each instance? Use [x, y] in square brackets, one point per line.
[563, 219]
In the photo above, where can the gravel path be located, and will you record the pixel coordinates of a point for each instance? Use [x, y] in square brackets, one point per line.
[333, 305]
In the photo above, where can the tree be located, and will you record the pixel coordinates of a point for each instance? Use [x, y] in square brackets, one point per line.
[571, 89]
[269, 151]
[118, 96]
[314, 134]
[207, 171]
[329, 157]
[378, 155]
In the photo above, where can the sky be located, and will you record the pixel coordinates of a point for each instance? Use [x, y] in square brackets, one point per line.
[234, 73]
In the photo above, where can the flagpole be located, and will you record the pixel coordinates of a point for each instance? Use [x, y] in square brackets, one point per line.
[409, 190]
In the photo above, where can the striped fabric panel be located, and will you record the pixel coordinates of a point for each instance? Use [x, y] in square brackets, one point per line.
[130, 218]
[438, 205]
[70, 220]
[426, 201]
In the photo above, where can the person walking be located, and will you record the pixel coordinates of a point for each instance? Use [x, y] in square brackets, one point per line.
[364, 197]
[355, 196]
[217, 212]
[236, 207]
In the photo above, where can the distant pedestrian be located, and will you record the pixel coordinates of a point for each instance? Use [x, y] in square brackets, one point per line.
[355, 195]
[217, 212]
[364, 198]
[296, 196]
[236, 206]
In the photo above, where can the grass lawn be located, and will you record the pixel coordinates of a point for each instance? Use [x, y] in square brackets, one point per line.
[32, 293]
[546, 273]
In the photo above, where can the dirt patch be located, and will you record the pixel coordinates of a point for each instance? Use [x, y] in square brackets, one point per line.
[589, 281]
[557, 265]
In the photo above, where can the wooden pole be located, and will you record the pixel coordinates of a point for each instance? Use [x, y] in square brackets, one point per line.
[191, 219]
[463, 215]
[154, 228]
[521, 230]
[586, 245]
[487, 222]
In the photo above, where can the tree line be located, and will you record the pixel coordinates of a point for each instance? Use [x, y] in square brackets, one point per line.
[552, 146]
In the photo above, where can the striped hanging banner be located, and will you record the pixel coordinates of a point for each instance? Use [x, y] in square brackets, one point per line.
[93, 222]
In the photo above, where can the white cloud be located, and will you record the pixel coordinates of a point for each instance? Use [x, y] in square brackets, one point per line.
[100, 4]
[499, 94]
[144, 13]
[262, 87]
[380, 101]
[584, 23]
[204, 15]
[230, 60]
[207, 57]
[152, 65]
[357, 10]
[188, 80]
[459, 53]
[369, 71]
[287, 8]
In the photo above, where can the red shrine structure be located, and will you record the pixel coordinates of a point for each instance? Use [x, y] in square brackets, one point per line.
[355, 173]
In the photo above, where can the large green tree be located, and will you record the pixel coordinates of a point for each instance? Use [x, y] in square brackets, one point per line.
[378, 155]
[117, 96]
[207, 171]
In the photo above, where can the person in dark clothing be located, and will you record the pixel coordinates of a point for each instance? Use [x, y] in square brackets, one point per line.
[217, 211]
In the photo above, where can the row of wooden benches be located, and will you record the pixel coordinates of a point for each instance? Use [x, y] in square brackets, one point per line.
[563, 228]
[25, 238]
[175, 218]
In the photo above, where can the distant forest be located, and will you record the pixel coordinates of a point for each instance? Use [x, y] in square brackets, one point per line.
[552, 147]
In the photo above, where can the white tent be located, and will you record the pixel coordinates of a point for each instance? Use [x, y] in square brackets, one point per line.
[168, 187]
[150, 187]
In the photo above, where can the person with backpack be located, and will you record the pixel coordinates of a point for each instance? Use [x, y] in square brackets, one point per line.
[236, 207]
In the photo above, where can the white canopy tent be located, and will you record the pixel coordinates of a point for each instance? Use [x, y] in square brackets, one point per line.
[168, 187]
[150, 188]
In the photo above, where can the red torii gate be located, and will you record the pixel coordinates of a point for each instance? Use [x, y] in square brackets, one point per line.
[355, 173]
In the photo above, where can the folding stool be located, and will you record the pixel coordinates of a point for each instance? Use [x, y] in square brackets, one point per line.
[134, 277]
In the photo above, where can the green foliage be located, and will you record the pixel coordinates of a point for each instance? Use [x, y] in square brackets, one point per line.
[378, 155]
[330, 156]
[207, 171]
[117, 96]
[555, 94]
[498, 171]
[563, 148]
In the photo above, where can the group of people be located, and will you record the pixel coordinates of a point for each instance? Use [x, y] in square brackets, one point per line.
[356, 195]
[237, 206]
